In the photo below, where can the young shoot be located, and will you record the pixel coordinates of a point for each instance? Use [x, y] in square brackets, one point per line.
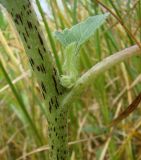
[72, 39]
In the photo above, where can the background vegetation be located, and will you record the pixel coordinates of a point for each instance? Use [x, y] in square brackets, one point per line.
[89, 115]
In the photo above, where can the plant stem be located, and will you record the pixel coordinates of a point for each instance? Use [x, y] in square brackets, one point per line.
[52, 43]
[99, 68]
[41, 61]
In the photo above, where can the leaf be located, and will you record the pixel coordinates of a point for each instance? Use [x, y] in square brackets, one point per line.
[70, 58]
[3, 22]
[81, 32]
[70, 66]
[20, 114]
[72, 39]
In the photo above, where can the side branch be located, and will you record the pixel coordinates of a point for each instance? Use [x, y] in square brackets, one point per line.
[99, 68]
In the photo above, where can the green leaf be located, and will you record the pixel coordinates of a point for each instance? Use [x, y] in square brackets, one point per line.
[70, 58]
[20, 114]
[70, 66]
[3, 22]
[81, 32]
[72, 39]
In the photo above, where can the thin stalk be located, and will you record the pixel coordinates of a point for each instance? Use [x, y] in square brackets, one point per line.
[75, 12]
[99, 68]
[20, 101]
[54, 15]
[115, 8]
[59, 14]
[52, 43]
[7, 48]
[67, 9]
[121, 22]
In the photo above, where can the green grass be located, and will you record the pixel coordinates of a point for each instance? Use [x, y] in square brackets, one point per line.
[91, 112]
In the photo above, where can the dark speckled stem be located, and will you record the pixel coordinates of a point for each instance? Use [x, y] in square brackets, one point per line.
[40, 58]
[59, 145]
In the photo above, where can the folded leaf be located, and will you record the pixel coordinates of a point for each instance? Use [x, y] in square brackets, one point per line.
[70, 66]
[81, 32]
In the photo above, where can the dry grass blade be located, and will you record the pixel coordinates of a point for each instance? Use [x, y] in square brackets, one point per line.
[127, 111]
[25, 74]
[45, 148]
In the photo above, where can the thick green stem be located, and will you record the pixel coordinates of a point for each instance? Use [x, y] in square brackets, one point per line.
[59, 145]
[41, 61]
